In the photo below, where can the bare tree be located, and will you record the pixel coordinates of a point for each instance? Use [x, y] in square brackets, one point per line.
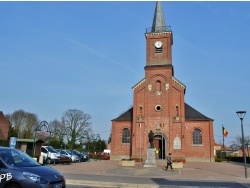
[57, 128]
[23, 123]
[109, 140]
[77, 123]
[238, 143]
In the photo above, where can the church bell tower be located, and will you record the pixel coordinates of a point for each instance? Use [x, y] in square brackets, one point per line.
[158, 97]
[160, 121]
[159, 40]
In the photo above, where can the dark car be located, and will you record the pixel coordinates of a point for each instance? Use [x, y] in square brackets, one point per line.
[18, 170]
[82, 157]
[63, 158]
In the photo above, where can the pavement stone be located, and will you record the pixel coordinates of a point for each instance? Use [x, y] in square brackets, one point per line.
[107, 173]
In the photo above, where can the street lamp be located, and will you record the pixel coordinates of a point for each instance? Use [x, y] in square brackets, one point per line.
[100, 146]
[69, 132]
[61, 142]
[99, 138]
[39, 127]
[241, 115]
[85, 136]
[95, 140]
[33, 148]
[46, 126]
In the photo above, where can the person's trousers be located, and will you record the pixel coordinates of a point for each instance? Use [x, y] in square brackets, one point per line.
[169, 164]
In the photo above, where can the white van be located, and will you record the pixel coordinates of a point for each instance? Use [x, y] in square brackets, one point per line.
[107, 151]
[51, 153]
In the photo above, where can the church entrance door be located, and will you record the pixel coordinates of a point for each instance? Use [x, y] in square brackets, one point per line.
[159, 145]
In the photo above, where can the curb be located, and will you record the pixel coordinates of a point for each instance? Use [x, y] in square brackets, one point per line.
[109, 184]
[128, 185]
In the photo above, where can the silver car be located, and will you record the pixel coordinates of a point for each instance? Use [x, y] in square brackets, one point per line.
[74, 158]
[18, 170]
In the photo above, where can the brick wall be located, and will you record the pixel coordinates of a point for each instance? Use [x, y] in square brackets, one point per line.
[159, 106]
[4, 127]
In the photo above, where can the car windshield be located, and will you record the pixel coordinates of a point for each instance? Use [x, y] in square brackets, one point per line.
[18, 158]
[77, 152]
[69, 152]
[51, 149]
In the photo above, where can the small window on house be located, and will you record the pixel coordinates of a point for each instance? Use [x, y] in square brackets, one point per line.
[125, 136]
[197, 137]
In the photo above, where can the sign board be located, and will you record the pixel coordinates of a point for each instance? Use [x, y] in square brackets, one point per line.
[12, 142]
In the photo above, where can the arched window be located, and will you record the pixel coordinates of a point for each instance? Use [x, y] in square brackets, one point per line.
[125, 136]
[177, 111]
[197, 137]
[158, 85]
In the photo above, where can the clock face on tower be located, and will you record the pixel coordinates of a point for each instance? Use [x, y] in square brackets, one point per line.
[158, 44]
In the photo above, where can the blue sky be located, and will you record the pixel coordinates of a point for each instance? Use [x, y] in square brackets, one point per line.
[57, 56]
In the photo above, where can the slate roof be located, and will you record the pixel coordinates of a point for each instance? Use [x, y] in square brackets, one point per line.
[159, 24]
[126, 116]
[190, 114]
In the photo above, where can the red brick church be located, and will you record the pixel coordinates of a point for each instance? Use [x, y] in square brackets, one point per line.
[159, 105]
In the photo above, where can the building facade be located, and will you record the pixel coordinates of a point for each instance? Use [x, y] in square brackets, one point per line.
[159, 105]
[4, 127]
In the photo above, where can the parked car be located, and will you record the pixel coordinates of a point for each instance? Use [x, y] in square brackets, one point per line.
[50, 155]
[19, 170]
[83, 158]
[74, 158]
[105, 156]
[64, 159]
[107, 151]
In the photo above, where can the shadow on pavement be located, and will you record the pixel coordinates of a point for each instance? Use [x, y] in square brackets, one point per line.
[162, 182]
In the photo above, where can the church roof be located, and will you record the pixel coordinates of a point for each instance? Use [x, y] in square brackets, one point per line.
[190, 114]
[159, 24]
[126, 116]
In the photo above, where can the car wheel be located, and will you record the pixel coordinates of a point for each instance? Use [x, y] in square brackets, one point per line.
[49, 161]
[13, 185]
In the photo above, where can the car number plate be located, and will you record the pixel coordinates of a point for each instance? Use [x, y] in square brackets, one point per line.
[58, 186]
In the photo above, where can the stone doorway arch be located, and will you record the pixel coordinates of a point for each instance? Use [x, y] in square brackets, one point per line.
[161, 145]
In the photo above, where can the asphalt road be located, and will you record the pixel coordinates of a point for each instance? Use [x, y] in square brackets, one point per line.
[193, 175]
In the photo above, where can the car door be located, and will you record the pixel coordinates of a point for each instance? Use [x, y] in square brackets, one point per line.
[3, 174]
[7, 175]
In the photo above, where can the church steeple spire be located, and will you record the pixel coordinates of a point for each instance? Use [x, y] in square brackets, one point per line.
[159, 24]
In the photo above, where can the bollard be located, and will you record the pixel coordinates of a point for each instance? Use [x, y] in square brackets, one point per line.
[41, 159]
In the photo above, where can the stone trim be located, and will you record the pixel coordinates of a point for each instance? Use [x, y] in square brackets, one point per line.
[138, 84]
[178, 82]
